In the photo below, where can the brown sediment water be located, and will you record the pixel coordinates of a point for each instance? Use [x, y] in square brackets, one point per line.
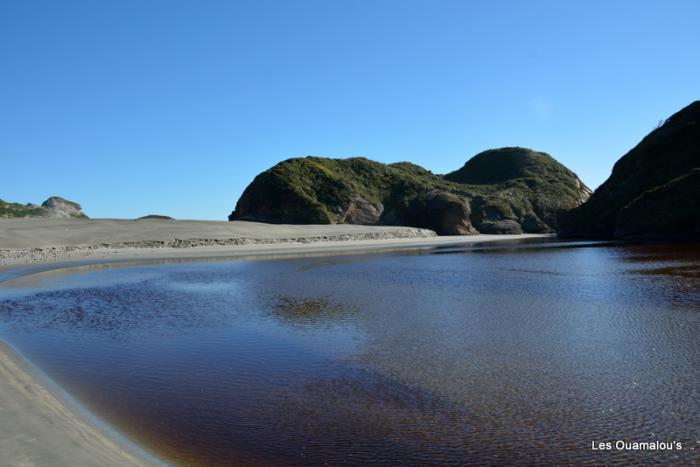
[498, 354]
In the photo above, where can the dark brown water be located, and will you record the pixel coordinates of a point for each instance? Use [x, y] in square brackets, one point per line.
[494, 355]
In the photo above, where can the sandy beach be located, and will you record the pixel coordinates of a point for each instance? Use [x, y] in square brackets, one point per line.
[37, 425]
[26, 241]
[41, 241]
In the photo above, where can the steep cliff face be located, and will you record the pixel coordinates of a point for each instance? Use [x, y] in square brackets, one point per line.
[650, 187]
[53, 207]
[531, 195]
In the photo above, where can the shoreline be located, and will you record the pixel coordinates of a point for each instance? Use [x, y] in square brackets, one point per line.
[38, 243]
[42, 424]
[27, 270]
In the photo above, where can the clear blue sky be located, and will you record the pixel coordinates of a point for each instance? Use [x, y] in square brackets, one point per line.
[171, 107]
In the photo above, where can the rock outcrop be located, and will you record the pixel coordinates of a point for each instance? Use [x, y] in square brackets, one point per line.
[62, 208]
[508, 190]
[54, 207]
[653, 189]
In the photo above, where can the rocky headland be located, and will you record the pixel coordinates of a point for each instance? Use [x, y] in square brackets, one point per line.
[654, 189]
[500, 191]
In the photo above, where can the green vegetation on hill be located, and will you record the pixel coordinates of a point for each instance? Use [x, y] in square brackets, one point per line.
[52, 207]
[20, 210]
[315, 190]
[509, 164]
[651, 187]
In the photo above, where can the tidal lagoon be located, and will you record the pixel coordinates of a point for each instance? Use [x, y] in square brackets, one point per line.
[540, 352]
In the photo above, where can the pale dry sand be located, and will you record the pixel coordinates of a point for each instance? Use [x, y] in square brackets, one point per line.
[27, 241]
[37, 241]
[40, 427]
[43, 233]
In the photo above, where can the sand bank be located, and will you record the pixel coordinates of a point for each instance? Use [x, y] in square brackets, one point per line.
[27, 241]
[32, 241]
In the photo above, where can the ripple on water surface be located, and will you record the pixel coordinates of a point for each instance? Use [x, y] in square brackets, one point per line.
[494, 355]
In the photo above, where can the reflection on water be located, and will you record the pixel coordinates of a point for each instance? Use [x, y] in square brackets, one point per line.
[499, 354]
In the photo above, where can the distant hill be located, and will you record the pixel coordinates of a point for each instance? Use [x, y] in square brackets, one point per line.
[654, 189]
[53, 207]
[507, 190]
[155, 216]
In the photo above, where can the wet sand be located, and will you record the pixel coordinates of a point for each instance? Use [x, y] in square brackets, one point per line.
[40, 427]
